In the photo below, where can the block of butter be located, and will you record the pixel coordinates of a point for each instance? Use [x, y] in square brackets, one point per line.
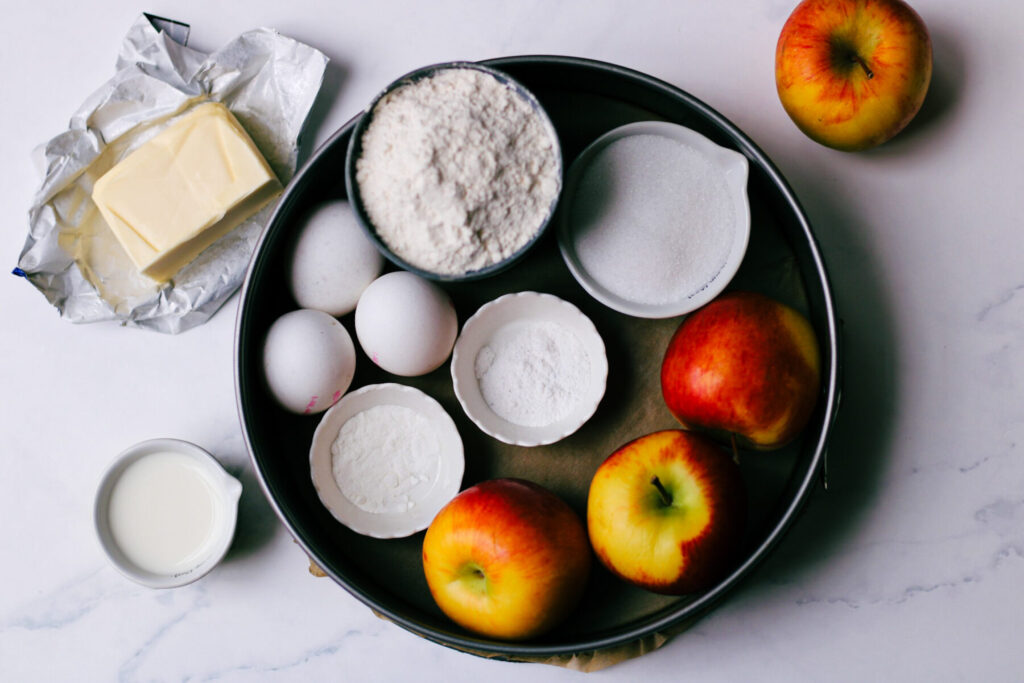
[184, 189]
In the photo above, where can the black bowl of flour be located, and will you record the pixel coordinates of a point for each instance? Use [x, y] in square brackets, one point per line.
[463, 181]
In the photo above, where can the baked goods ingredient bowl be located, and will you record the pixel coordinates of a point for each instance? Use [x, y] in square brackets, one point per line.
[165, 512]
[454, 171]
[585, 99]
[659, 230]
[529, 368]
[371, 493]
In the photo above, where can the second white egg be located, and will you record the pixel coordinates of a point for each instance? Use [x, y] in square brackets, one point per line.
[405, 324]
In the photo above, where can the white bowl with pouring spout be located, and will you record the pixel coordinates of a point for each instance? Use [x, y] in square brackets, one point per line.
[223, 490]
[733, 168]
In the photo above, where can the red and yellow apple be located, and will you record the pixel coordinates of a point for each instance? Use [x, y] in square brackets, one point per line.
[666, 512]
[852, 73]
[506, 558]
[744, 367]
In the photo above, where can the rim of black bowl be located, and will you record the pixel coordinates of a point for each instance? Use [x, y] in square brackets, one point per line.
[355, 149]
[671, 616]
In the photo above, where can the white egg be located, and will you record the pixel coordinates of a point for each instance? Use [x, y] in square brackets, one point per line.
[405, 324]
[333, 261]
[309, 360]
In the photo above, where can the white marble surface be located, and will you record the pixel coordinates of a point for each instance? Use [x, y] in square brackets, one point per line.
[911, 568]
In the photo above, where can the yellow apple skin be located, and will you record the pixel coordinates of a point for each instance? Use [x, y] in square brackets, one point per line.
[681, 544]
[744, 367]
[507, 559]
[853, 73]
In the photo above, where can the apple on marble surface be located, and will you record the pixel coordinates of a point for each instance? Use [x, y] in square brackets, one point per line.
[667, 511]
[853, 73]
[506, 558]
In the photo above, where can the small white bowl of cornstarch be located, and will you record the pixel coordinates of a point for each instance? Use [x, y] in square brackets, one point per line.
[385, 459]
[529, 368]
[454, 171]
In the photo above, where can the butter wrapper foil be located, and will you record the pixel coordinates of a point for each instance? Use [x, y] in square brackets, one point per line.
[268, 81]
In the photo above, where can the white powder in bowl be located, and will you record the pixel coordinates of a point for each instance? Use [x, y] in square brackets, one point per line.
[533, 373]
[386, 458]
[457, 172]
[653, 219]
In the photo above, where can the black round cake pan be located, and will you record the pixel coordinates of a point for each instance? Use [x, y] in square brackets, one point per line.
[584, 99]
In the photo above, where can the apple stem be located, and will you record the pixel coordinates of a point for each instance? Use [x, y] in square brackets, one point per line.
[666, 497]
[735, 452]
[864, 65]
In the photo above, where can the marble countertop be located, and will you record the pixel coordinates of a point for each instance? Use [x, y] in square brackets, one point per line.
[910, 568]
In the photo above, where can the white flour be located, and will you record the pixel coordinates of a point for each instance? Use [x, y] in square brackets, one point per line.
[457, 171]
[386, 459]
[533, 374]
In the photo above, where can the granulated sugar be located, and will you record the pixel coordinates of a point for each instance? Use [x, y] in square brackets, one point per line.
[533, 373]
[386, 458]
[458, 172]
[653, 220]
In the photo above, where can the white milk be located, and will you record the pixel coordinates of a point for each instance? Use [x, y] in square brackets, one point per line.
[164, 513]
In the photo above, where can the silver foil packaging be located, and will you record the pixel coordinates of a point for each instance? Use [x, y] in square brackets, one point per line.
[268, 81]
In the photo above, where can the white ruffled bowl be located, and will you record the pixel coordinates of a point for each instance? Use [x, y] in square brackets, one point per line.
[480, 330]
